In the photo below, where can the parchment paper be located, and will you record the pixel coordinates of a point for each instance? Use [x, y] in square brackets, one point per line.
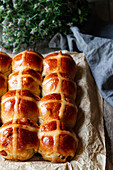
[91, 152]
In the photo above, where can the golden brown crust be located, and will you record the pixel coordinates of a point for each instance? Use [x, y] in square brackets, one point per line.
[12, 93]
[59, 83]
[27, 59]
[21, 121]
[5, 63]
[57, 143]
[20, 136]
[26, 79]
[3, 84]
[49, 126]
[19, 104]
[59, 62]
[19, 139]
[58, 106]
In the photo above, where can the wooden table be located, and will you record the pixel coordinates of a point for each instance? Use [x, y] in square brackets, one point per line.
[108, 122]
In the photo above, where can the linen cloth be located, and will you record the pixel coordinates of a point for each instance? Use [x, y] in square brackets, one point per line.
[99, 55]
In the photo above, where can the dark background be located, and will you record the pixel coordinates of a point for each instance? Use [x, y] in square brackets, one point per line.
[100, 22]
[102, 8]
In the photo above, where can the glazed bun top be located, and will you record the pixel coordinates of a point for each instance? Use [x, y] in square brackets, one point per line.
[5, 63]
[27, 59]
[19, 104]
[3, 84]
[57, 142]
[26, 79]
[19, 139]
[59, 83]
[21, 93]
[59, 62]
[58, 106]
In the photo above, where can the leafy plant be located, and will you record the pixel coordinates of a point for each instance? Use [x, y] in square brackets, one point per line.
[24, 21]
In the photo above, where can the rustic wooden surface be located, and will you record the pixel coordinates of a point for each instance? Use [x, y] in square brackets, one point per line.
[102, 8]
[108, 122]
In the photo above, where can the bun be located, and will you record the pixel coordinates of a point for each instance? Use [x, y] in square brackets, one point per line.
[27, 59]
[58, 62]
[22, 108]
[3, 84]
[58, 106]
[26, 79]
[59, 83]
[5, 63]
[57, 143]
[19, 104]
[19, 139]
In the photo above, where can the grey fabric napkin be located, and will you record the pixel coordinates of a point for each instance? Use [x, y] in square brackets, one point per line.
[99, 55]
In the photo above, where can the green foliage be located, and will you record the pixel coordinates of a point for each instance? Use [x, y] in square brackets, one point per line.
[24, 21]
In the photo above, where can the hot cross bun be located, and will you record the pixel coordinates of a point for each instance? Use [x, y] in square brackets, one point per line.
[59, 83]
[58, 106]
[26, 79]
[57, 142]
[27, 59]
[19, 139]
[5, 63]
[59, 62]
[3, 84]
[19, 104]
